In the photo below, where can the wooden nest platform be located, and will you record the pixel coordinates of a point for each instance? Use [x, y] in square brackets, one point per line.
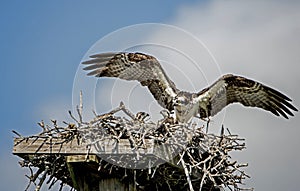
[112, 152]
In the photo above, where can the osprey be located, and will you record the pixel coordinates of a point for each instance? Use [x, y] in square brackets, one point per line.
[226, 90]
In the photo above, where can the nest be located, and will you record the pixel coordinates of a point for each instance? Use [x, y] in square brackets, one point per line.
[185, 158]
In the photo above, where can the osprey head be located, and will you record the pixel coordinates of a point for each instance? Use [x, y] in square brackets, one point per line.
[182, 99]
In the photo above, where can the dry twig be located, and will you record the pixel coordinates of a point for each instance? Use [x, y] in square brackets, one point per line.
[203, 160]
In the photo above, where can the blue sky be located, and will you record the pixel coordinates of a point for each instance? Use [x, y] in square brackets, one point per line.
[42, 45]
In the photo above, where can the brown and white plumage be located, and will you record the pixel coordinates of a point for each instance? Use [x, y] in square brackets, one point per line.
[228, 89]
[249, 93]
[135, 66]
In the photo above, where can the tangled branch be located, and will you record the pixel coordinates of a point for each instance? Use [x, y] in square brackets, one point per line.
[192, 159]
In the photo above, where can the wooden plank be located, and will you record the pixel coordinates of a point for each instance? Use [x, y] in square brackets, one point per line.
[45, 146]
[114, 151]
[55, 146]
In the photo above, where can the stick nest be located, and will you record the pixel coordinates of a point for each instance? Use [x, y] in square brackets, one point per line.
[201, 161]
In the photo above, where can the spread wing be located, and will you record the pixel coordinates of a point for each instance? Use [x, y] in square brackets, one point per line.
[230, 89]
[135, 66]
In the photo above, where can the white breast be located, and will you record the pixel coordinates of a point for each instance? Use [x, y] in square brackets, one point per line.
[185, 113]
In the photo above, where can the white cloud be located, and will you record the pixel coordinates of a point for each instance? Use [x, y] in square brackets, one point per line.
[258, 39]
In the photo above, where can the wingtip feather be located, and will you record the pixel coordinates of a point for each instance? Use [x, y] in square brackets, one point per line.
[104, 55]
[97, 72]
[94, 66]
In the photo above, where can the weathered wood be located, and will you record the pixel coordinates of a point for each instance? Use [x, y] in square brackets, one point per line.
[55, 146]
[80, 153]
[46, 146]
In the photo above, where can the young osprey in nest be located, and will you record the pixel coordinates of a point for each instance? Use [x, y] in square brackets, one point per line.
[226, 90]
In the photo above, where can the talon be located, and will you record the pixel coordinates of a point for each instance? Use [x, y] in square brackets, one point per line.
[207, 124]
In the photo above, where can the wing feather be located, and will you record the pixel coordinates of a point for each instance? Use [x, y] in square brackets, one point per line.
[237, 89]
[135, 66]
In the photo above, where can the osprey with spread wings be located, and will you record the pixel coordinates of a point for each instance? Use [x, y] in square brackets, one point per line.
[226, 90]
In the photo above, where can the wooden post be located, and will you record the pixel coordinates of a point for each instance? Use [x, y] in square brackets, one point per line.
[85, 176]
[82, 168]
